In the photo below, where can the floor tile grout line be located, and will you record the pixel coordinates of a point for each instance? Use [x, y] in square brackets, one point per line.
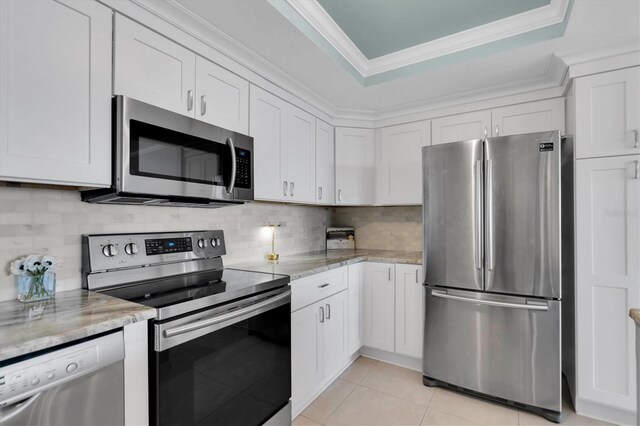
[341, 402]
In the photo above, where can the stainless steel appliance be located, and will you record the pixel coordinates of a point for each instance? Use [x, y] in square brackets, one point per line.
[166, 159]
[220, 346]
[498, 256]
[341, 237]
[75, 384]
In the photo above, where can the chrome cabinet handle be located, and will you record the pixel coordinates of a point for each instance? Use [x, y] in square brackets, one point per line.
[339, 194]
[323, 285]
[489, 210]
[291, 188]
[497, 130]
[417, 279]
[256, 308]
[540, 306]
[328, 311]
[321, 314]
[478, 224]
[232, 184]
[635, 138]
[637, 169]
[189, 100]
[203, 105]
[285, 186]
[319, 193]
[389, 274]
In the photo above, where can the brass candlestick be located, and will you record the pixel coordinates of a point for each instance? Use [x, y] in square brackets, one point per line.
[273, 255]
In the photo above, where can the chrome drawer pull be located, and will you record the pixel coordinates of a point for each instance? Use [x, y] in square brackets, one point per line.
[323, 285]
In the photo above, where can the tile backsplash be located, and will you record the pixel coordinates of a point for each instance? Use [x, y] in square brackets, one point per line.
[385, 228]
[35, 220]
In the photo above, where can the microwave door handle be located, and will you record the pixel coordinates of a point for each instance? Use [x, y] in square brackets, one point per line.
[232, 184]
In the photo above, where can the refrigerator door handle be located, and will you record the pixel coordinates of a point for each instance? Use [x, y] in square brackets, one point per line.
[489, 208]
[478, 207]
[529, 306]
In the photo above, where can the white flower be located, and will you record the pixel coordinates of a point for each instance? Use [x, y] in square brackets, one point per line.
[17, 266]
[50, 263]
[33, 264]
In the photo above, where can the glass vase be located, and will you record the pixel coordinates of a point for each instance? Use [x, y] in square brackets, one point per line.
[36, 287]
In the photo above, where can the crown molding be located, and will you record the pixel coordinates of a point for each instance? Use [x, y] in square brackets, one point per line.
[312, 12]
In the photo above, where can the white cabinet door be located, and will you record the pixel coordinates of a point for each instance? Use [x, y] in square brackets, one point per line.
[298, 154]
[325, 164]
[607, 278]
[530, 117]
[55, 92]
[153, 69]
[356, 302]
[409, 310]
[354, 166]
[307, 353]
[461, 127]
[267, 114]
[379, 306]
[608, 113]
[399, 163]
[222, 98]
[336, 332]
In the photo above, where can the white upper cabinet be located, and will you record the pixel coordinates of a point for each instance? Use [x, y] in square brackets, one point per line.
[55, 92]
[529, 117]
[267, 114]
[399, 163]
[607, 278]
[608, 113]
[461, 127]
[222, 98]
[284, 146]
[354, 166]
[379, 306]
[298, 155]
[409, 310]
[325, 163]
[153, 69]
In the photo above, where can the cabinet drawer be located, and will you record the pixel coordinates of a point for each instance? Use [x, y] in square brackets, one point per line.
[308, 290]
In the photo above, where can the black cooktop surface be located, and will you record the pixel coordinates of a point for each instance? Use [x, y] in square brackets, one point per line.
[179, 294]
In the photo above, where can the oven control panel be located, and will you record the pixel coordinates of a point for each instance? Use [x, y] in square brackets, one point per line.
[115, 251]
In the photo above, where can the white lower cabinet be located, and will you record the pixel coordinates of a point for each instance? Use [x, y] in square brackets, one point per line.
[409, 310]
[379, 307]
[607, 283]
[356, 303]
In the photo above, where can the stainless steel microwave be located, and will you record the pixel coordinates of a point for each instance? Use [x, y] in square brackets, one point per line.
[164, 158]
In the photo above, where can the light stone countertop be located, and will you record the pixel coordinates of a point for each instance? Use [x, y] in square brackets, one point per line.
[302, 265]
[635, 315]
[68, 316]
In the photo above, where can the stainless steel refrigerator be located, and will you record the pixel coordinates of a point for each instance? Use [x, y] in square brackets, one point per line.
[498, 268]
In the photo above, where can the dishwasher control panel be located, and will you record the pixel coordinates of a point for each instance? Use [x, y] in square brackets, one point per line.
[25, 378]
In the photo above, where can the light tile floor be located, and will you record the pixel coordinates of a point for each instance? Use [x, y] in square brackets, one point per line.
[372, 392]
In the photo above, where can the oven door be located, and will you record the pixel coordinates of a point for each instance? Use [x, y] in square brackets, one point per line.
[165, 154]
[230, 365]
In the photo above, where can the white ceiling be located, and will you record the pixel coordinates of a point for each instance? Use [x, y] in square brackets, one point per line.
[259, 27]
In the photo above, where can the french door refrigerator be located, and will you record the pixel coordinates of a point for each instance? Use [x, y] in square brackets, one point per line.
[498, 267]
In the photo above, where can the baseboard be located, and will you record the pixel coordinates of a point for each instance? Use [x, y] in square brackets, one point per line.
[300, 407]
[392, 358]
[605, 412]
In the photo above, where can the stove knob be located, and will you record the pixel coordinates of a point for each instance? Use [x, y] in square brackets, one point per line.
[217, 242]
[202, 243]
[109, 250]
[131, 249]
[214, 243]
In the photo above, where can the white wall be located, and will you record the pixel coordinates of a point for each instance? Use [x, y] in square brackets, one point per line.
[52, 220]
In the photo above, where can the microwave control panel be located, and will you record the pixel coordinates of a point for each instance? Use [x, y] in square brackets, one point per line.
[243, 168]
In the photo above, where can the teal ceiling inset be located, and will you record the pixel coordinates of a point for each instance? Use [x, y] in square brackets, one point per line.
[380, 27]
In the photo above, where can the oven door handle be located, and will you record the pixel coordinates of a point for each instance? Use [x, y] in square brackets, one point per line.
[232, 183]
[252, 310]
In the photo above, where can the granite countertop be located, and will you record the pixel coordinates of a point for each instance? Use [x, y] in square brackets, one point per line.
[302, 265]
[635, 315]
[68, 316]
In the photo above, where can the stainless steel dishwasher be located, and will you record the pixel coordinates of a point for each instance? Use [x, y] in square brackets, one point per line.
[81, 384]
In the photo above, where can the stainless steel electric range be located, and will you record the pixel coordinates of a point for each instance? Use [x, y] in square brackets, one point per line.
[220, 346]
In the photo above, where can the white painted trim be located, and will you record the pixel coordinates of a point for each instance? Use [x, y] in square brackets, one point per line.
[603, 412]
[542, 17]
[136, 378]
[392, 358]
